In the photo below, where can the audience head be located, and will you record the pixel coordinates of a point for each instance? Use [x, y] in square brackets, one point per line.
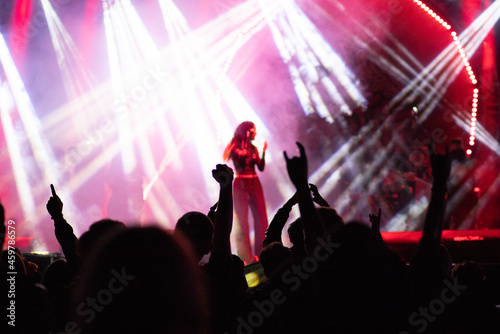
[240, 284]
[145, 280]
[330, 218]
[296, 233]
[56, 276]
[356, 239]
[198, 229]
[469, 274]
[446, 260]
[98, 232]
[275, 258]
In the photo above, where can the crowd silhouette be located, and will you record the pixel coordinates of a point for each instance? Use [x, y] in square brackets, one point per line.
[337, 277]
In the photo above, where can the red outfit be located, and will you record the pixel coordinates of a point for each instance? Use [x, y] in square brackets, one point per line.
[248, 194]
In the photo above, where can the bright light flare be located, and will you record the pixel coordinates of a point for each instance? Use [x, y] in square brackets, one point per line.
[311, 62]
[40, 148]
[20, 176]
[75, 77]
[20, 30]
[129, 47]
[464, 56]
[42, 165]
[480, 134]
[186, 56]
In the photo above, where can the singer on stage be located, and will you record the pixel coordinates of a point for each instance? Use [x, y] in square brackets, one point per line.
[247, 190]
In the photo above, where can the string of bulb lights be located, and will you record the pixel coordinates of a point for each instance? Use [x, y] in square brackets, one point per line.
[466, 64]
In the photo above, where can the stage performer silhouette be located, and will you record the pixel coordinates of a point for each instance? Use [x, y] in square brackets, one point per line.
[247, 191]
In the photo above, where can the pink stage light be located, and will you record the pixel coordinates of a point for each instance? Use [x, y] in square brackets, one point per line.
[21, 31]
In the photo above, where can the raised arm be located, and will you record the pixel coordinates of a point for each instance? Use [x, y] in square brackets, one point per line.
[262, 162]
[273, 232]
[224, 216]
[441, 166]
[213, 210]
[430, 264]
[375, 221]
[316, 197]
[64, 232]
[313, 225]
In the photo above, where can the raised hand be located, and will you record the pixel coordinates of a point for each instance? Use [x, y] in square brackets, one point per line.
[375, 220]
[441, 166]
[223, 174]
[54, 205]
[212, 212]
[264, 148]
[297, 168]
[223, 220]
[291, 201]
[313, 225]
[316, 197]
